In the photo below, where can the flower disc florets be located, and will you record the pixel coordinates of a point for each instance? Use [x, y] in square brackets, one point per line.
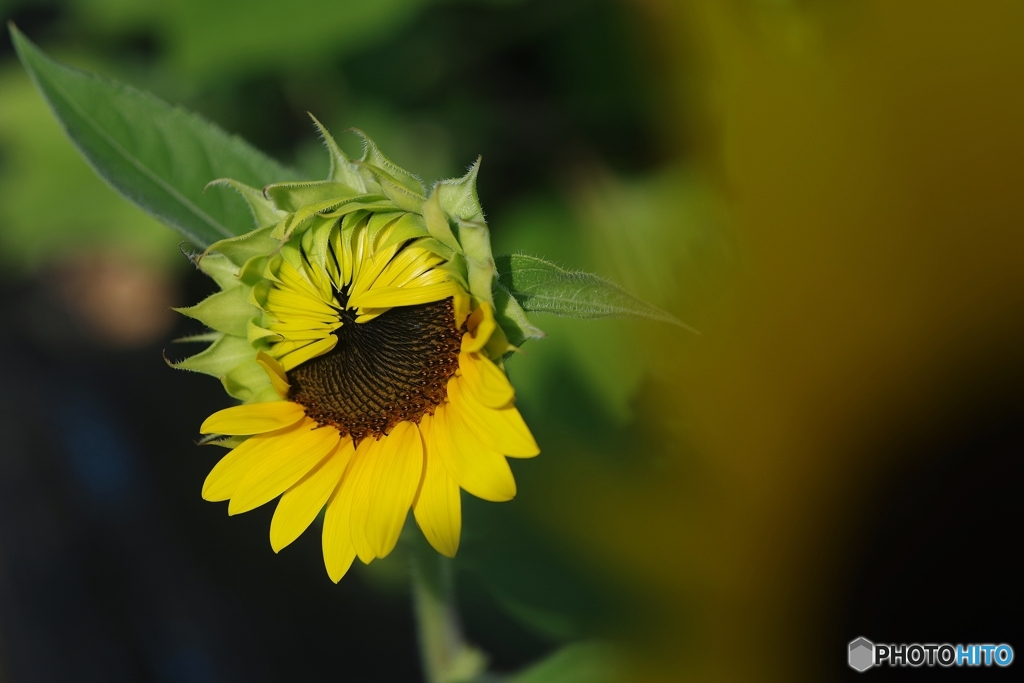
[390, 369]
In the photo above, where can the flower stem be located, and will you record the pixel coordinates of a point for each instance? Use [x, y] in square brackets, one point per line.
[447, 658]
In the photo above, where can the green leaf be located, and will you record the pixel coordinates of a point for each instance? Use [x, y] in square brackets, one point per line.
[158, 156]
[542, 287]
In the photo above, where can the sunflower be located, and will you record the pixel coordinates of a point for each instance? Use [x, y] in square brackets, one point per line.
[357, 324]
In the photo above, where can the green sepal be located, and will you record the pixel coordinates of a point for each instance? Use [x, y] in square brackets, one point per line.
[238, 250]
[367, 203]
[254, 333]
[220, 268]
[228, 311]
[264, 214]
[307, 238]
[456, 269]
[222, 441]
[403, 198]
[411, 226]
[258, 293]
[291, 253]
[458, 196]
[437, 223]
[372, 156]
[476, 244]
[290, 197]
[202, 338]
[265, 395]
[342, 168]
[512, 319]
[219, 358]
[435, 247]
[249, 382]
[292, 224]
[253, 270]
[379, 221]
[319, 236]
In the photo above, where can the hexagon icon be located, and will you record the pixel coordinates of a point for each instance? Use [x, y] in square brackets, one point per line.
[862, 654]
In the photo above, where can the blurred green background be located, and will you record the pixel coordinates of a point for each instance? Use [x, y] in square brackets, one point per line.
[829, 191]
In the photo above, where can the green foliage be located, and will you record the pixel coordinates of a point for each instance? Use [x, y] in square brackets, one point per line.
[542, 287]
[576, 663]
[158, 156]
[37, 227]
[262, 32]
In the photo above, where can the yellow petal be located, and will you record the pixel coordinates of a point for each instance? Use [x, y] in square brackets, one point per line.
[409, 264]
[485, 380]
[438, 504]
[278, 378]
[280, 470]
[503, 429]
[360, 250]
[306, 334]
[255, 418]
[312, 350]
[296, 281]
[222, 481]
[371, 271]
[462, 305]
[337, 536]
[430, 277]
[366, 453]
[480, 325]
[300, 504]
[482, 471]
[287, 299]
[368, 314]
[404, 296]
[396, 475]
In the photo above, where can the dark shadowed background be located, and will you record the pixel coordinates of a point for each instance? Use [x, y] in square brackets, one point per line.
[829, 191]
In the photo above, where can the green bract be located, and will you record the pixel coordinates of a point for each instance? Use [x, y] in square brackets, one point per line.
[292, 218]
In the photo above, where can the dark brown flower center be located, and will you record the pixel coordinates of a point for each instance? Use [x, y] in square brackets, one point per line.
[388, 370]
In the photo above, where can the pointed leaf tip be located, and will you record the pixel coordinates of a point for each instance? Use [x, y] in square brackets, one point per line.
[342, 170]
[125, 133]
[374, 157]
